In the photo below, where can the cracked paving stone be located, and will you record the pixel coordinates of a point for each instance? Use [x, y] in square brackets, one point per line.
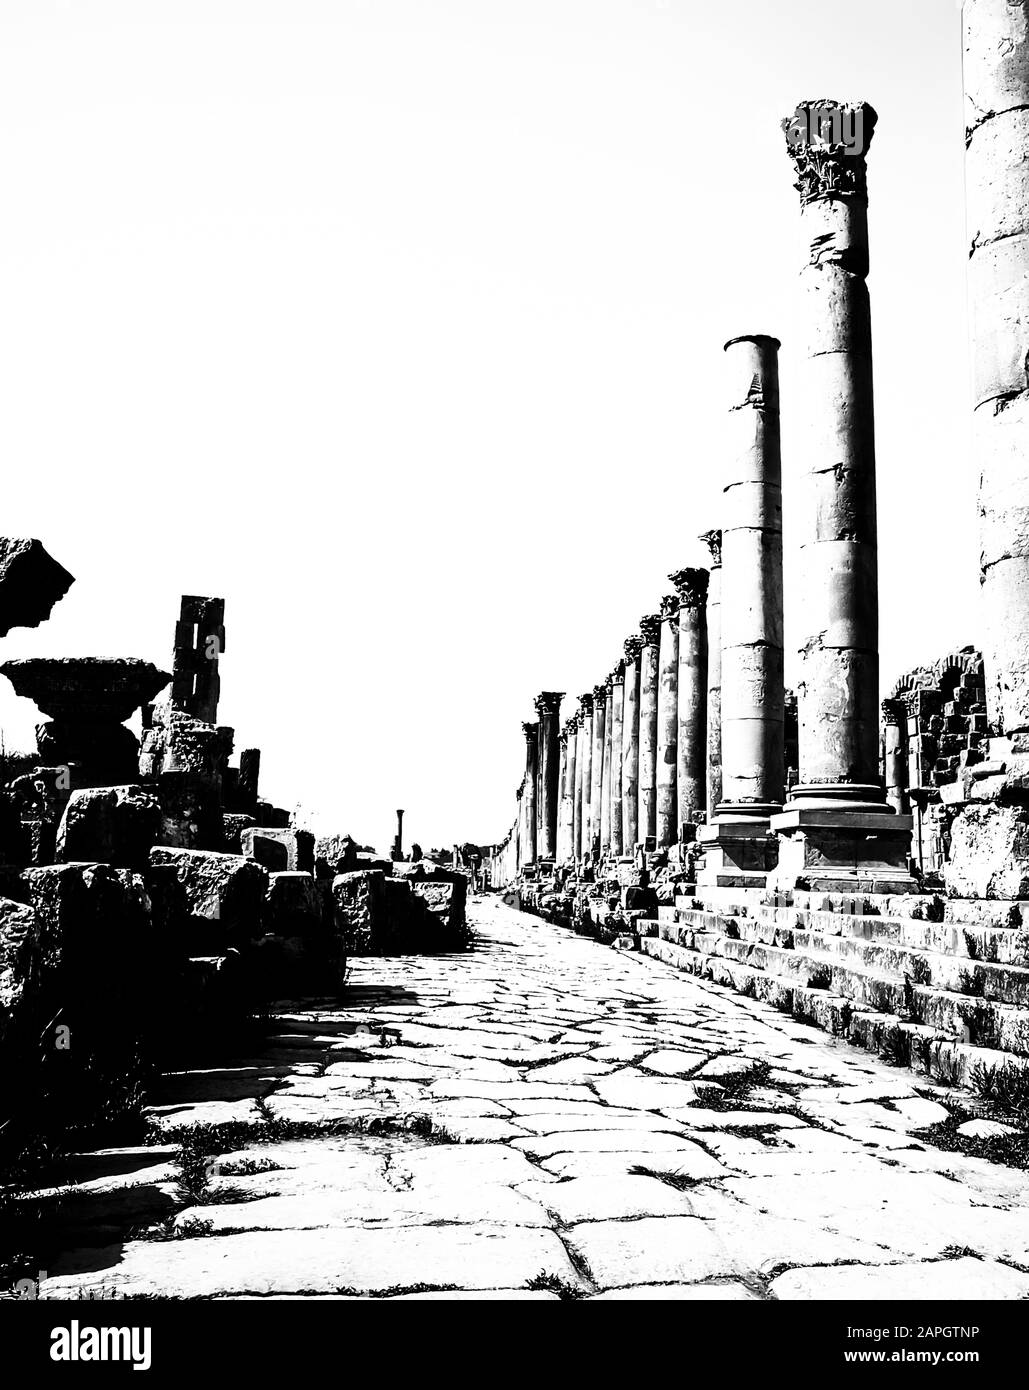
[961, 1279]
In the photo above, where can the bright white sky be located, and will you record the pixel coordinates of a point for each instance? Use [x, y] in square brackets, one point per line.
[398, 324]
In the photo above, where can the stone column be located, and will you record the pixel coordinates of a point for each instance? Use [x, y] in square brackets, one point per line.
[895, 755]
[597, 769]
[666, 817]
[529, 812]
[605, 781]
[996, 80]
[548, 706]
[837, 825]
[713, 793]
[691, 587]
[569, 739]
[650, 629]
[561, 853]
[617, 734]
[519, 829]
[631, 743]
[586, 758]
[580, 762]
[738, 838]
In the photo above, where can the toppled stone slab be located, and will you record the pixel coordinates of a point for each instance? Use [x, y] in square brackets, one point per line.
[31, 582]
[113, 825]
[224, 896]
[86, 690]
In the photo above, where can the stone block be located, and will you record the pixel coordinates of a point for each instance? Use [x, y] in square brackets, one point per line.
[112, 825]
[335, 854]
[105, 754]
[279, 850]
[16, 924]
[225, 897]
[360, 915]
[86, 690]
[989, 853]
[191, 813]
[233, 825]
[446, 902]
[31, 582]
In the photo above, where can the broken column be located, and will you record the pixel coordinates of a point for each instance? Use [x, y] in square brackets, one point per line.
[617, 734]
[199, 642]
[529, 813]
[633, 647]
[691, 588]
[713, 793]
[650, 630]
[548, 706]
[740, 847]
[597, 769]
[666, 819]
[837, 826]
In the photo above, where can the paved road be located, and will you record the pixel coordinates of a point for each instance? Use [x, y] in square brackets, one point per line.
[611, 1129]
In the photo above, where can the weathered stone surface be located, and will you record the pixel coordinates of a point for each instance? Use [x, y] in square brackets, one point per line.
[224, 896]
[335, 854]
[279, 850]
[86, 690]
[360, 912]
[446, 902]
[16, 925]
[31, 582]
[112, 825]
[989, 855]
[104, 753]
[961, 1279]
[233, 825]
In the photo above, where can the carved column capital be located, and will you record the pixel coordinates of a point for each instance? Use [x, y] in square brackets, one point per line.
[827, 141]
[713, 541]
[586, 703]
[549, 701]
[650, 629]
[600, 693]
[691, 587]
[894, 711]
[531, 732]
[632, 646]
[669, 605]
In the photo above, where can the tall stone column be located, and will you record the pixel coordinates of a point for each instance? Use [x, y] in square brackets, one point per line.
[586, 758]
[605, 781]
[996, 80]
[837, 825]
[691, 587]
[633, 647]
[713, 541]
[577, 807]
[563, 830]
[650, 630]
[739, 842]
[597, 769]
[617, 734]
[548, 706]
[529, 801]
[569, 736]
[519, 829]
[666, 816]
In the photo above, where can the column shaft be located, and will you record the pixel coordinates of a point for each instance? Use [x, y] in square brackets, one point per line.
[666, 815]
[597, 770]
[631, 744]
[587, 775]
[548, 706]
[713, 540]
[605, 785]
[650, 628]
[529, 812]
[617, 734]
[692, 767]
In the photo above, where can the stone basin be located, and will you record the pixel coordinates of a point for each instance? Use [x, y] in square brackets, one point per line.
[86, 689]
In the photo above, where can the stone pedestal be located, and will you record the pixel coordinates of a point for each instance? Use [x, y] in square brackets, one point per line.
[666, 816]
[631, 743]
[650, 629]
[837, 826]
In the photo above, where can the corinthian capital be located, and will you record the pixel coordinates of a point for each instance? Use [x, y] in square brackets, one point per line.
[713, 541]
[669, 606]
[691, 586]
[650, 628]
[586, 702]
[632, 646]
[549, 701]
[600, 694]
[828, 141]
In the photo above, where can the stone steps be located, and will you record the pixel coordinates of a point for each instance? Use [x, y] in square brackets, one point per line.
[923, 1045]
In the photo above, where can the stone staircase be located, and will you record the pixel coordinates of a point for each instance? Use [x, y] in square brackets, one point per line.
[939, 986]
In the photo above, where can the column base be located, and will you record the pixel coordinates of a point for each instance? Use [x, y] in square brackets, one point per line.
[739, 849]
[856, 847]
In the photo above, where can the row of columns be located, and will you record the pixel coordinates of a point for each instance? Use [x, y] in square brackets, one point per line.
[693, 717]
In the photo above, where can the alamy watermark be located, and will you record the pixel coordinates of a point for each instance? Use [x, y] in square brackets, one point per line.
[827, 124]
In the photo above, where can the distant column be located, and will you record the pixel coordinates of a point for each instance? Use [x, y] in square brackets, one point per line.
[691, 587]
[586, 845]
[605, 785]
[569, 739]
[631, 743]
[650, 629]
[577, 797]
[895, 755]
[617, 735]
[666, 820]
[548, 706]
[562, 799]
[713, 541]
[531, 732]
[597, 768]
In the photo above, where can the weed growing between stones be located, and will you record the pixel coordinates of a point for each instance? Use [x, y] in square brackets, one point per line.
[1005, 1089]
[553, 1283]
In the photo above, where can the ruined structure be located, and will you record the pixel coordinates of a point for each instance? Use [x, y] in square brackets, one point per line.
[861, 862]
